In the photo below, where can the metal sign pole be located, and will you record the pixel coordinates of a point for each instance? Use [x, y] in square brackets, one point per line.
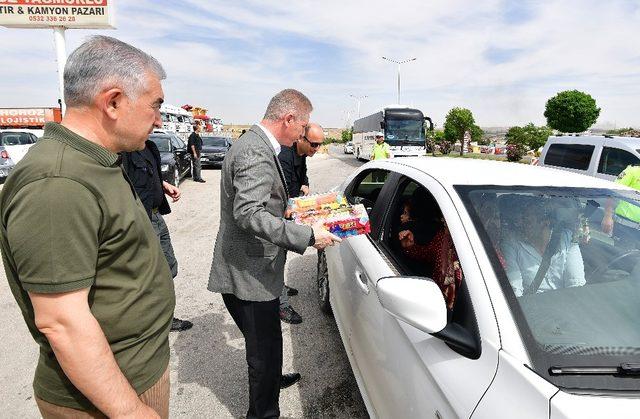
[61, 58]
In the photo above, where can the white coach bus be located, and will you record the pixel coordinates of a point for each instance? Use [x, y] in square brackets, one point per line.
[177, 120]
[403, 130]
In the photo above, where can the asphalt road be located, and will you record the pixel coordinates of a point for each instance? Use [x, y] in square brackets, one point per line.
[208, 368]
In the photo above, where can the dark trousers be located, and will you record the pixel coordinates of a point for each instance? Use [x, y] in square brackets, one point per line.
[196, 171]
[160, 227]
[259, 322]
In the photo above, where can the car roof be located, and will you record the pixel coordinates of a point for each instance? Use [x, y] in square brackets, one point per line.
[460, 171]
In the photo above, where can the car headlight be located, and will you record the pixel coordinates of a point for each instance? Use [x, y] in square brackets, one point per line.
[164, 167]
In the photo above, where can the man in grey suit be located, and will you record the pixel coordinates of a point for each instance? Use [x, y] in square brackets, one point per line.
[253, 239]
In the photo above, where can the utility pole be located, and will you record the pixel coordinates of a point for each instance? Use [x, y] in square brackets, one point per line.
[399, 63]
[359, 99]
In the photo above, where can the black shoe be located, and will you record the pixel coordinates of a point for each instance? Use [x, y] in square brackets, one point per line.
[289, 315]
[178, 325]
[291, 291]
[200, 180]
[287, 380]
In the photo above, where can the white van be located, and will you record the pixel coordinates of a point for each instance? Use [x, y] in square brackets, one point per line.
[602, 156]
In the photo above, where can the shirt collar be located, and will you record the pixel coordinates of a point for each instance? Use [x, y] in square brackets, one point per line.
[272, 139]
[63, 134]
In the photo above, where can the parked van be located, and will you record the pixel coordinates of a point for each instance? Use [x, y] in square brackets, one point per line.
[601, 156]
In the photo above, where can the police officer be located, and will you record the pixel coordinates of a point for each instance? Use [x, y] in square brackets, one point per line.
[194, 146]
[627, 215]
[381, 149]
[143, 169]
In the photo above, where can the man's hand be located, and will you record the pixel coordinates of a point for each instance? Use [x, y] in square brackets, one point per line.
[305, 190]
[406, 238]
[323, 237]
[607, 224]
[171, 191]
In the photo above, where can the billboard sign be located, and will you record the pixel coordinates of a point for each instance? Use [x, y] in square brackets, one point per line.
[87, 14]
[28, 117]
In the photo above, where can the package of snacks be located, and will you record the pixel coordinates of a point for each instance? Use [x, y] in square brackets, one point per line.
[333, 210]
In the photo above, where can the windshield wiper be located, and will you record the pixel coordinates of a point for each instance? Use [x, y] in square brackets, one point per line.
[626, 368]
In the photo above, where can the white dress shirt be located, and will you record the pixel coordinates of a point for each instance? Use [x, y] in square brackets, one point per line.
[274, 142]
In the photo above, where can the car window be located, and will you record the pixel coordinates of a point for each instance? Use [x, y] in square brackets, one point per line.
[614, 160]
[34, 139]
[162, 141]
[367, 187]
[419, 240]
[568, 263]
[572, 156]
[13, 138]
[214, 141]
[177, 143]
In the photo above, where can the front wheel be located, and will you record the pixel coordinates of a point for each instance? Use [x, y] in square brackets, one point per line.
[322, 281]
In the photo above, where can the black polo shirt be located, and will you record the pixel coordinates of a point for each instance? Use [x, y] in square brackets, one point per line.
[196, 141]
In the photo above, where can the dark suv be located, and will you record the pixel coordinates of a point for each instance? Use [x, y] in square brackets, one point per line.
[175, 162]
[213, 150]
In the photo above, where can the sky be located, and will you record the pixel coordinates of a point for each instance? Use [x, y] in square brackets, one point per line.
[502, 59]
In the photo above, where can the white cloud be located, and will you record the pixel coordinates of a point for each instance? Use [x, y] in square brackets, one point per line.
[232, 56]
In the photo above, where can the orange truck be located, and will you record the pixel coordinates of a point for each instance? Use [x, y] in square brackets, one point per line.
[28, 117]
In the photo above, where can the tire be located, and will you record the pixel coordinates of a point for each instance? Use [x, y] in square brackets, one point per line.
[176, 176]
[322, 282]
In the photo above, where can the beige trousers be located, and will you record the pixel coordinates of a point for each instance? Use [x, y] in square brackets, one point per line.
[156, 397]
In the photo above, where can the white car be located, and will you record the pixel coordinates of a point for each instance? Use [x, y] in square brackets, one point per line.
[348, 147]
[602, 156]
[14, 144]
[542, 307]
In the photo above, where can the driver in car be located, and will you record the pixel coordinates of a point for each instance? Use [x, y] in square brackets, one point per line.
[525, 245]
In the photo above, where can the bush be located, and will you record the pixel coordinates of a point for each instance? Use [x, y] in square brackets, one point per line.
[347, 135]
[515, 152]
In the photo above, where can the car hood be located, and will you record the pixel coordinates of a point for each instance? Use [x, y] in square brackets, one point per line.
[565, 405]
[214, 149]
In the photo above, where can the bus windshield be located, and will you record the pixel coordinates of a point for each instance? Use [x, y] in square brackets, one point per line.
[402, 131]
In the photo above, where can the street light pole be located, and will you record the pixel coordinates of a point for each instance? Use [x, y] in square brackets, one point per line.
[359, 100]
[399, 63]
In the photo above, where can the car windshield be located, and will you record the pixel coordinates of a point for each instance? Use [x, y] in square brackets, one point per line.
[162, 141]
[214, 141]
[569, 265]
[403, 131]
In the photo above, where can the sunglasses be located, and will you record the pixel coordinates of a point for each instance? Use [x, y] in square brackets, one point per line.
[311, 143]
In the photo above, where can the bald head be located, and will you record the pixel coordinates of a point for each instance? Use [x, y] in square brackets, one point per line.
[312, 140]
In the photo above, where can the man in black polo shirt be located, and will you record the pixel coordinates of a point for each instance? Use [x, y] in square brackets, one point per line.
[194, 145]
[143, 169]
[294, 165]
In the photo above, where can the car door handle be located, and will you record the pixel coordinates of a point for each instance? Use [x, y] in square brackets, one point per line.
[362, 282]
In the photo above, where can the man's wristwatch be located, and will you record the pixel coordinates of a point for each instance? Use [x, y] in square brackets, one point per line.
[312, 239]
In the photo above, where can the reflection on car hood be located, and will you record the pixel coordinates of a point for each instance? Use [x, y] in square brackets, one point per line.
[565, 405]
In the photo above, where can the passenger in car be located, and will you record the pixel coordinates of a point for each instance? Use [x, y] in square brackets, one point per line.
[438, 254]
[530, 225]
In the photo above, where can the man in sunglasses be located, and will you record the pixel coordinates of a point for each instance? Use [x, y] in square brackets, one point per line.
[294, 165]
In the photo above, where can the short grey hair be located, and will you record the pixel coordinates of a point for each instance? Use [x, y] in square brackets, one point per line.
[103, 62]
[288, 101]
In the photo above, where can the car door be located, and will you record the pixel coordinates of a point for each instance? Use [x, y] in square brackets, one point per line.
[406, 372]
[613, 161]
[180, 154]
[366, 189]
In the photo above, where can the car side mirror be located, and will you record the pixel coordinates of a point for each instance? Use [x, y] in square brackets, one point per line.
[416, 301]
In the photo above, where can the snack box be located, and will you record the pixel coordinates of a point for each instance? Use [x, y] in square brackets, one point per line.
[334, 211]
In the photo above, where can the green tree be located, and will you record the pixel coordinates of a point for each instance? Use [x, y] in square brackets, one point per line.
[347, 135]
[476, 134]
[528, 137]
[571, 111]
[456, 125]
[443, 143]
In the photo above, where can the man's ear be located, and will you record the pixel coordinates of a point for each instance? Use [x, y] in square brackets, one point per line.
[289, 119]
[110, 102]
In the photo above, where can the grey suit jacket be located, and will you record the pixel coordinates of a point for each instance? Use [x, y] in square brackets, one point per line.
[253, 239]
